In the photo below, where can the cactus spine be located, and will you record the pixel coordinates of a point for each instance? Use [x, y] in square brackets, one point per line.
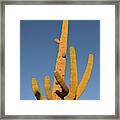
[60, 90]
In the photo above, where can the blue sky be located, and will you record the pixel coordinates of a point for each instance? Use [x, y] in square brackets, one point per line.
[38, 53]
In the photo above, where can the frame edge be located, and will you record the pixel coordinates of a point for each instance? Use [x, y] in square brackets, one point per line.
[2, 59]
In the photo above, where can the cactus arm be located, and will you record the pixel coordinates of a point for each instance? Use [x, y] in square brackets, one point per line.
[47, 87]
[86, 76]
[64, 87]
[73, 75]
[36, 90]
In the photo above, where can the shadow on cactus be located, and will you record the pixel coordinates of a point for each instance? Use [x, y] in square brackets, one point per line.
[60, 91]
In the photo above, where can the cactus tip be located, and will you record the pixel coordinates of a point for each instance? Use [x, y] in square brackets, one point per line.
[34, 81]
[91, 56]
[47, 77]
[71, 47]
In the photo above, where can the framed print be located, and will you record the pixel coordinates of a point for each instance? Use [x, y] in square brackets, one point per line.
[60, 59]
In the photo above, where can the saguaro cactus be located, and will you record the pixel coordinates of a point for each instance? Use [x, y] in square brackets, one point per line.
[61, 59]
[60, 90]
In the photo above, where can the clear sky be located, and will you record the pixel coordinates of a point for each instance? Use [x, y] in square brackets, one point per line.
[38, 53]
